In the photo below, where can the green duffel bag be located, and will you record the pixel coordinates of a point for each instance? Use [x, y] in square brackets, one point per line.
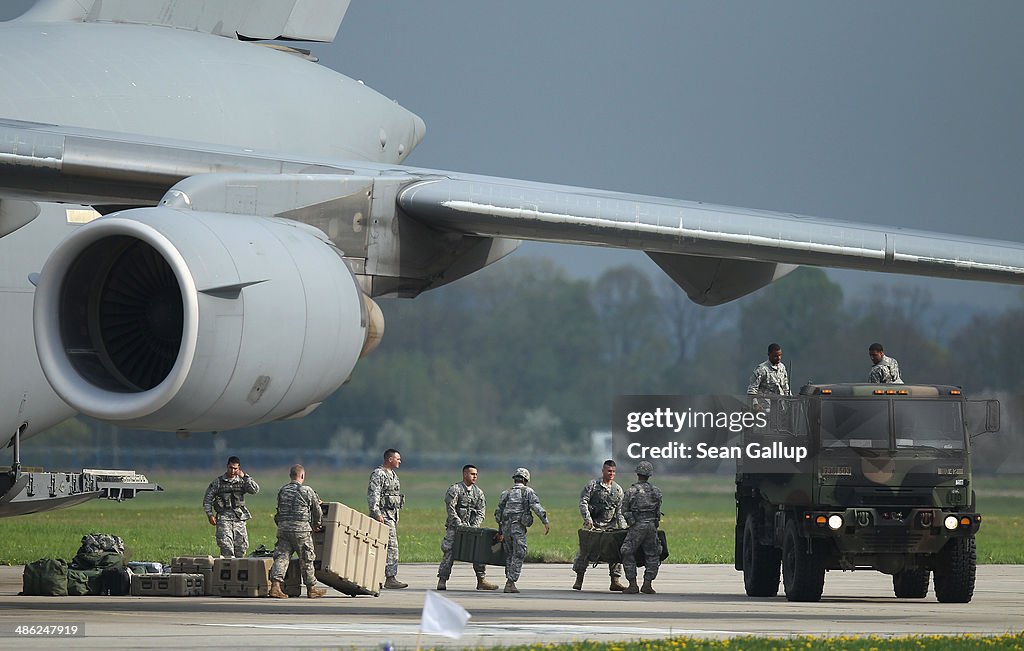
[47, 577]
[83, 582]
[97, 560]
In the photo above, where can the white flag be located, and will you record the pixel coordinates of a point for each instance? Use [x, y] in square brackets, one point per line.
[443, 616]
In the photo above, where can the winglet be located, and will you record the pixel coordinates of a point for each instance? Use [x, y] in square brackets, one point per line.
[295, 20]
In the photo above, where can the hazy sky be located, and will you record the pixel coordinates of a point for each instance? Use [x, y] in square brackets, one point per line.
[904, 113]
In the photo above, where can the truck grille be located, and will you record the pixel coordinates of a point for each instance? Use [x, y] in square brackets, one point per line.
[881, 541]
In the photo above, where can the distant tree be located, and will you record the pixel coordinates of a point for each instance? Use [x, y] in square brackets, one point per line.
[802, 312]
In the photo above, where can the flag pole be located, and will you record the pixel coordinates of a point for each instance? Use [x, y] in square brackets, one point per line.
[419, 634]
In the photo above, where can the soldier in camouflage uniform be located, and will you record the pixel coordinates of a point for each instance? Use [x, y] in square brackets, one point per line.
[601, 508]
[384, 498]
[298, 516]
[886, 370]
[514, 514]
[466, 505]
[769, 378]
[224, 504]
[642, 510]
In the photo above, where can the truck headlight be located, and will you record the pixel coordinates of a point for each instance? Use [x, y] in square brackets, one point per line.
[950, 522]
[835, 522]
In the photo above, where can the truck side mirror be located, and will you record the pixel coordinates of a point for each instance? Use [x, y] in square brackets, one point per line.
[982, 417]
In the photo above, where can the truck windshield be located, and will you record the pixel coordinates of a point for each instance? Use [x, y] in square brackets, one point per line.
[930, 424]
[855, 424]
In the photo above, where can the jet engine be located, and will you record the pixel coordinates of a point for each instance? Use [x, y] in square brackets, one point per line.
[177, 320]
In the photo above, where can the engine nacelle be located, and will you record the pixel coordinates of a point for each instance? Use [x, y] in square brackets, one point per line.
[178, 320]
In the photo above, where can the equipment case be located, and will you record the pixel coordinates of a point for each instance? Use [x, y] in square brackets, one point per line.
[351, 551]
[167, 585]
[478, 545]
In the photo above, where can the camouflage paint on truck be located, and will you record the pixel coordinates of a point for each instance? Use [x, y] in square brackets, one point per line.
[886, 485]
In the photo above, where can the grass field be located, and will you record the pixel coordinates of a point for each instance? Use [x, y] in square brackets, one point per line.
[698, 522]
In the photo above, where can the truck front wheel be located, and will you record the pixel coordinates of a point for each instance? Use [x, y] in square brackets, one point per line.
[910, 584]
[955, 571]
[803, 573]
[760, 563]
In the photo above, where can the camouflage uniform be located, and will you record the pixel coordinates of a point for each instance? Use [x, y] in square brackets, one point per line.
[514, 514]
[384, 498]
[466, 505]
[226, 498]
[886, 371]
[642, 510]
[298, 514]
[601, 508]
[768, 380]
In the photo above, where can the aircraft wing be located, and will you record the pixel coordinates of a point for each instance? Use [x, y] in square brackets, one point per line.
[296, 20]
[716, 253]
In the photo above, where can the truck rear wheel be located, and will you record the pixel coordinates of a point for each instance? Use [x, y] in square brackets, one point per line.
[910, 584]
[760, 563]
[956, 570]
[803, 573]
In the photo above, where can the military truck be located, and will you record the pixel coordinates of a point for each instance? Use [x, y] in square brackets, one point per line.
[886, 485]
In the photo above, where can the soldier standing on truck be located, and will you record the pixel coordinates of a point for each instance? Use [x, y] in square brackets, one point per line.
[384, 498]
[642, 509]
[601, 508]
[514, 514]
[769, 378]
[886, 370]
[298, 516]
[465, 504]
[224, 503]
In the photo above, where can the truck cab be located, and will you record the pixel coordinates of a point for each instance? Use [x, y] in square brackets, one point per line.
[886, 485]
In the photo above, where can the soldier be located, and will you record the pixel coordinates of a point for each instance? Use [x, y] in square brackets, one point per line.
[601, 508]
[514, 514]
[466, 505]
[385, 499]
[298, 516]
[886, 370]
[769, 378]
[642, 510]
[224, 504]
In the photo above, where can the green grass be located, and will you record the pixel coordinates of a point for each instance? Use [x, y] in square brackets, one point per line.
[1013, 641]
[698, 522]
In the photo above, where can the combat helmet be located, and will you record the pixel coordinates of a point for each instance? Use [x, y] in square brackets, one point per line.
[522, 473]
[645, 468]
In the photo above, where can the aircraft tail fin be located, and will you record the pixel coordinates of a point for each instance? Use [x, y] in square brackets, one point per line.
[298, 20]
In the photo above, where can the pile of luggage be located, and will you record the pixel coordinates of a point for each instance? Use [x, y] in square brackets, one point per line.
[99, 568]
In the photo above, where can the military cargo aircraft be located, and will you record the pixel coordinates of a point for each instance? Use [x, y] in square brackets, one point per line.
[184, 249]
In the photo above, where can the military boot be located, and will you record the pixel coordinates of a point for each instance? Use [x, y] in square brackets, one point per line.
[483, 584]
[632, 588]
[617, 585]
[314, 592]
[392, 583]
[647, 588]
[510, 586]
[579, 581]
[442, 584]
[275, 591]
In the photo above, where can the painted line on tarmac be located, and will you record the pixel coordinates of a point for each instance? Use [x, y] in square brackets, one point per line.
[522, 629]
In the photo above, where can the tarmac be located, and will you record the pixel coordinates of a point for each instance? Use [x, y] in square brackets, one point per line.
[692, 600]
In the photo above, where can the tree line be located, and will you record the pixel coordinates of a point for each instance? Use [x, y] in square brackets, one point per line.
[525, 358]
